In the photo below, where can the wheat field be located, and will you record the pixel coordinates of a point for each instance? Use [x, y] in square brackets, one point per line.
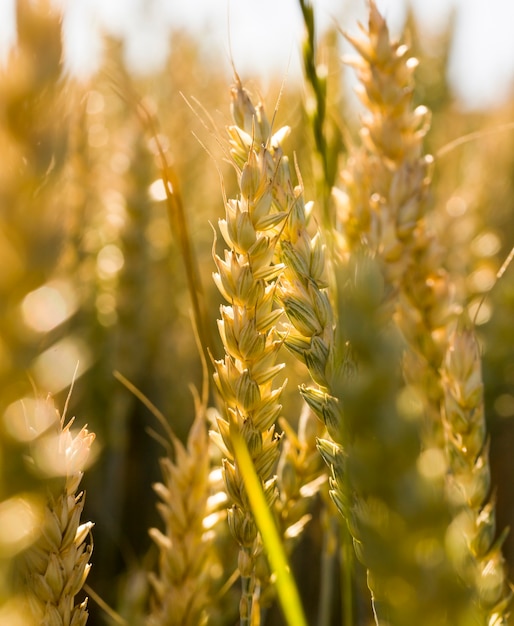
[255, 347]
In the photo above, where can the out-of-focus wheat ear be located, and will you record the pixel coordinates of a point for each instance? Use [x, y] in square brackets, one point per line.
[182, 585]
[472, 534]
[384, 203]
[54, 569]
[398, 532]
[386, 180]
[245, 377]
[301, 475]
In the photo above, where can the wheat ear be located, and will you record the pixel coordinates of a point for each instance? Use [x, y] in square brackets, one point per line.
[182, 586]
[54, 569]
[386, 188]
[475, 548]
[245, 377]
[360, 459]
[394, 505]
[300, 475]
[385, 201]
[390, 175]
[311, 331]
[387, 180]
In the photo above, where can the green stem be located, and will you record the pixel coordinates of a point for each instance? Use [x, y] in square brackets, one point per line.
[317, 115]
[287, 590]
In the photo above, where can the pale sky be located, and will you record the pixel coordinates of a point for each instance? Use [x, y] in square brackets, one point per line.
[266, 34]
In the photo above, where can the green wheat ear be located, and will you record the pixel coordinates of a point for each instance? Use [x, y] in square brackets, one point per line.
[327, 135]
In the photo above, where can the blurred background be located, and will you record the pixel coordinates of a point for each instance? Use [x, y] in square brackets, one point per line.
[480, 60]
[90, 271]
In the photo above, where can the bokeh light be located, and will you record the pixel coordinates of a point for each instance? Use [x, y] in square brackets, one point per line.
[20, 520]
[50, 305]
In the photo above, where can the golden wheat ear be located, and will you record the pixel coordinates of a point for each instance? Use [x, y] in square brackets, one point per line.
[53, 570]
[190, 498]
[472, 534]
[245, 377]
[182, 585]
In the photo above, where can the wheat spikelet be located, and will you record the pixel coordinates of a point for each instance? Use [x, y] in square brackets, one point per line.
[53, 570]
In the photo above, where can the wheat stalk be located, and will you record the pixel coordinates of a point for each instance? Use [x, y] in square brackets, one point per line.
[326, 151]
